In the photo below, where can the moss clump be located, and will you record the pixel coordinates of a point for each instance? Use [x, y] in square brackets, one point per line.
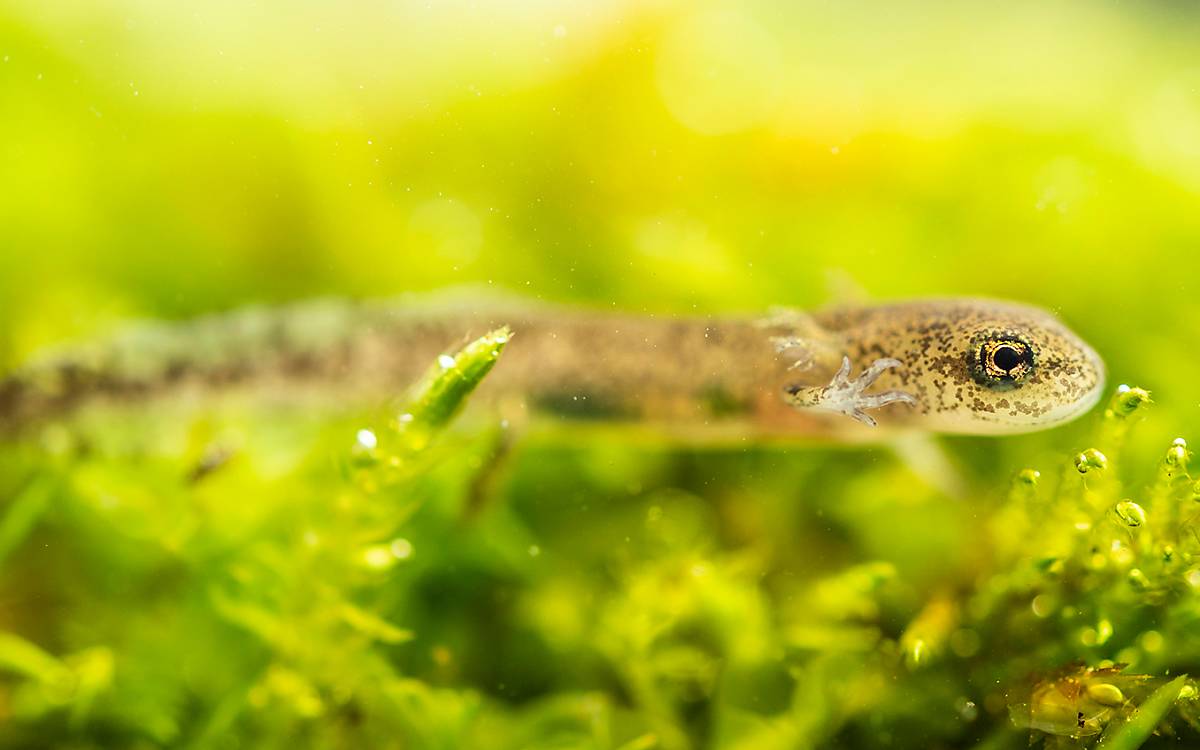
[611, 596]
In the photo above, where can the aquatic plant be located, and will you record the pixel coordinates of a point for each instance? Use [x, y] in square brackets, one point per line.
[270, 579]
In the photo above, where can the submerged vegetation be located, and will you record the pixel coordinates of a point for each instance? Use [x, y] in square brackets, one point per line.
[249, 575]
[226, 585]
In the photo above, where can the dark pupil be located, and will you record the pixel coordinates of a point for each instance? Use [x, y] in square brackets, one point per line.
[1006, 358]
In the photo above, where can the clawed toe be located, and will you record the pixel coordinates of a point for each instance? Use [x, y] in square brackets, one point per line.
[877, 368]
[846, 396]
[841, 378]
[863, 417]
[876, 400]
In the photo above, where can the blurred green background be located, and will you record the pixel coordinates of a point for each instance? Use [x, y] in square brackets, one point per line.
[170, 159]
[162, 160]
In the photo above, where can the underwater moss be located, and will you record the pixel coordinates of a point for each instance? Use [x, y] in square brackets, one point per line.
[368, 602]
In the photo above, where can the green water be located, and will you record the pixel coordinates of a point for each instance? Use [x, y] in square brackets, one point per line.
[246, 577]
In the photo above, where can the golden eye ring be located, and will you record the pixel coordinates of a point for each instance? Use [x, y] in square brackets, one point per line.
[1002, 361]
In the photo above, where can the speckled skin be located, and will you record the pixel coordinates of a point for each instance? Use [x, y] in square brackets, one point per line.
[936, 342]
[689, 374]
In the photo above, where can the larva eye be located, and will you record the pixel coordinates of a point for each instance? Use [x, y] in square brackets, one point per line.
[1006, 357]
[1003, 361]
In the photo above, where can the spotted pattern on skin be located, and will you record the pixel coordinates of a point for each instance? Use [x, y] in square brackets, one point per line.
[937, 341]
[689, 373]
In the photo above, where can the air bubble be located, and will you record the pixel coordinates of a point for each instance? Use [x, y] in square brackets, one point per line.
[1152, 640]
[967, 710]
[401, 549]
[378, 557]
[1090, 459]
[1042, 605]
[1130, 513]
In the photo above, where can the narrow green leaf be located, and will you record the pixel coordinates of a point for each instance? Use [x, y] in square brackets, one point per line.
[453, 378]
[1130, 734]
[22, 657]
[23, 513]
[388, 455]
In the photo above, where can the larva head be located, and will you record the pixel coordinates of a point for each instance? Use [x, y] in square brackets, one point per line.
[1012, 368]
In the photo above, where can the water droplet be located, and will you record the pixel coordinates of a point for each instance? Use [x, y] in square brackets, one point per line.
[1090, 459]
[1138, 579]
[446, 361]
[1042, 605]
[1128, 400]
[1130, 513]
[378, 557]
[967, 709]
[1177, 455]
[402, 549]
[367, 439]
